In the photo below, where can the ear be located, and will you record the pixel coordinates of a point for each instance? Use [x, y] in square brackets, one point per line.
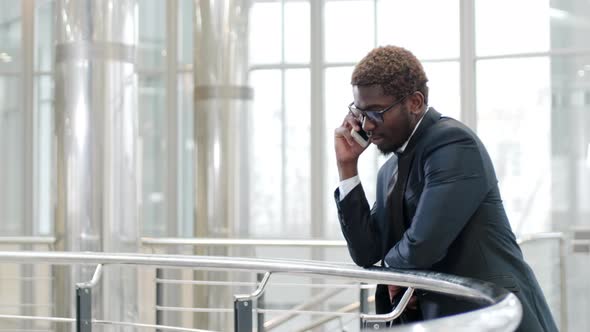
[416, 102]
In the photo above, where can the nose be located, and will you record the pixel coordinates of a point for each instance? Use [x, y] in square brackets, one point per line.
[368, 124]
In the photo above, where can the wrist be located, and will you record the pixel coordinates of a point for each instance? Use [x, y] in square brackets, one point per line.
[347, 170]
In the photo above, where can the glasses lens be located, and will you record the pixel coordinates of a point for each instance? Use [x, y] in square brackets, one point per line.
[355, 111]
[374, 116]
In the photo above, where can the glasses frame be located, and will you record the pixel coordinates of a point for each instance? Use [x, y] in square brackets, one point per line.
[375, 116]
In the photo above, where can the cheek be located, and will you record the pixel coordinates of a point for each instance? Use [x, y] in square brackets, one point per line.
[399, 131]
[398, 128]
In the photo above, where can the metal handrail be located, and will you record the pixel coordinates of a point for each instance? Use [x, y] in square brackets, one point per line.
[258, 292]
[418, 279]
[49, 240]
[162, 241]
[523, 239]
[151, 241]
[95, 278]
[500, 301]
[165, 241]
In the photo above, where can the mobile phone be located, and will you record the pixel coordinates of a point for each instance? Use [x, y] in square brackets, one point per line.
[360, 137]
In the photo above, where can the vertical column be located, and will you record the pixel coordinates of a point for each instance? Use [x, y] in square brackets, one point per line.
[30, 190]
[96, 134]
[221, 99]
[468, 67]
[570, 172]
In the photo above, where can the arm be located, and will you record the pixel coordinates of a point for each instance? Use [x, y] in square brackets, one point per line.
[356, 219]
[455, 185]
[359, 227]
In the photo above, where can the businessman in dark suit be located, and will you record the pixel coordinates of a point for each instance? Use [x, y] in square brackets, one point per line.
[438, 205]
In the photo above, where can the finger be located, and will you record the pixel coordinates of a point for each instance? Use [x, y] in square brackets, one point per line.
[353, 122]
[344, 133]
[393, 290]
[346, 120]
[413, 304]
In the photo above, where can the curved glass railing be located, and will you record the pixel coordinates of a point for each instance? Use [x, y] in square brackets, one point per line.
[501, 310]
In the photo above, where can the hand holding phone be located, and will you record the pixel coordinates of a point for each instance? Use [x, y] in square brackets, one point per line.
[360, 137]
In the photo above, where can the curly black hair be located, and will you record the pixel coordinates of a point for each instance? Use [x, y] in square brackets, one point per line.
[396, 69]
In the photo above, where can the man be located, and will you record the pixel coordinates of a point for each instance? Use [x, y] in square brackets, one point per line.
[438, 205]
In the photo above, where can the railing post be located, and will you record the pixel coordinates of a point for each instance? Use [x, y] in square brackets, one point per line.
[243, 307]
[242, 315]
[84, 302]
[159, 298]
[363, 300]
[83, 308]
[376, 322]
[563, 283]
[376, 326]
[260, 303]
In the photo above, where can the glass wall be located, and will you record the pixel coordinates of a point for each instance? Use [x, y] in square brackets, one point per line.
[531, 72]
[11, 121]
[280, 125]
[531, 104]
[280, 42]
[532, 108]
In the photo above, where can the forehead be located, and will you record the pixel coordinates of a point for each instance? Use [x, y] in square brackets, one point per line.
[370, 95]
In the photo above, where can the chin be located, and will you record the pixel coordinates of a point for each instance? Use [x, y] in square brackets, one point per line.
[386, 150]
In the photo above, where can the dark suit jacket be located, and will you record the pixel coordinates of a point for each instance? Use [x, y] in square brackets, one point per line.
[449, 218]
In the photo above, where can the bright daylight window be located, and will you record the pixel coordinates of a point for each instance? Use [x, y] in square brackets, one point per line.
[282, 62]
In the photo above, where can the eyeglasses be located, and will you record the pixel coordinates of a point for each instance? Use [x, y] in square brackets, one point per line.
[375, 116]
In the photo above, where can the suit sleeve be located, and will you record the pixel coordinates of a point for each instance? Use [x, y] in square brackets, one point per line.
[359, 227]
[455, 184]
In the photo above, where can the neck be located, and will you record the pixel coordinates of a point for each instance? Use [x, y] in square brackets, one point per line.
[417, 116]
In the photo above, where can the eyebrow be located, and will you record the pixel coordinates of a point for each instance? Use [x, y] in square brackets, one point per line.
[372, 106]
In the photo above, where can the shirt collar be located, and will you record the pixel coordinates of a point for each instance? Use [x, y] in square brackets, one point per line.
[403, 147]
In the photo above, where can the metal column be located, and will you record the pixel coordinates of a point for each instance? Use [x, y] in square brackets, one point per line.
[221, 99]
[96, 130]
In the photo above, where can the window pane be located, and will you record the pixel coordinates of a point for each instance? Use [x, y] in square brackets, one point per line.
[185, 32]
[349, 30]
[44, 35]
[265, 32]
[267, 167]
[408, 24]
[569, 24]
[444, 87]
[152, 126]
[44, 135]
[506, 26]
[297, 153]
[514, 122]
[187, 153]
[570, 142]
[297, 33]
[11, 149]
[10, 35]
[152, 34]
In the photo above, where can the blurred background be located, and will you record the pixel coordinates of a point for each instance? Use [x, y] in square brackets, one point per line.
[517, 72]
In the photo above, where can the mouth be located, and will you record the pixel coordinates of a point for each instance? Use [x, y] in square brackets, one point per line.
[376, 139]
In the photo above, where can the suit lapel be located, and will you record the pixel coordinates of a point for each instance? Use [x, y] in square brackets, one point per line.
[429, 119]
[405, 160]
